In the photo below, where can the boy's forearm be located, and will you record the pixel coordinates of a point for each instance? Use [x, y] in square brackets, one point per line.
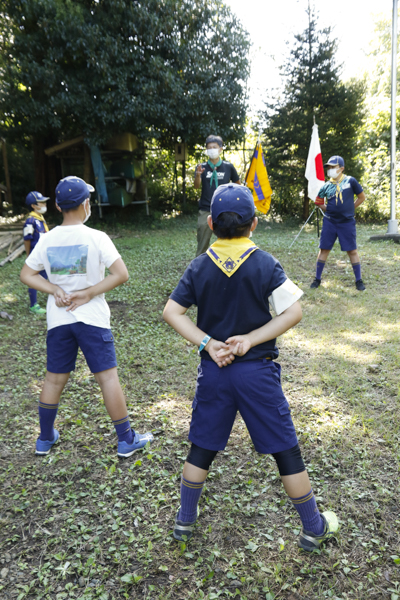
[175, 315]
[360, 200]
[185, 327]
[27, 244]
[37, 282]
[277, 326]
[109, 283]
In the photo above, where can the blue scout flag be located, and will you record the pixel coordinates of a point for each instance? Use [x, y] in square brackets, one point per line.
[257, 180]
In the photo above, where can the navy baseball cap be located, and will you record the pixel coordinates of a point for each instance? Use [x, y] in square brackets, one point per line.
[335, 161]
[235, 198]
[72, 191]
[34, 198]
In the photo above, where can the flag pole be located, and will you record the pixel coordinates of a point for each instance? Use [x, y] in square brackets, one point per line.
[393, 223]
[302, 227]
[254, 151]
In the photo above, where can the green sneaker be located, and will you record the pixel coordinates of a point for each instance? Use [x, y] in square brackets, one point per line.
[37, 310]
[310, 542]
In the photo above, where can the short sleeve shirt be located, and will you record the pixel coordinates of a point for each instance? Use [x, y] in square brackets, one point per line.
[75, 257]
[226, 173]
[33, 230]
[232, 305]
[340, 211]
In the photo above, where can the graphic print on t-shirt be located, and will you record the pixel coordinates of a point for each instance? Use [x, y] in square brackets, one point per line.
[219, 175]
[68, 260]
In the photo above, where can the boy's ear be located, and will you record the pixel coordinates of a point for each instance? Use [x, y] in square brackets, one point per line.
[254, 224]
[210, 222]
[58, 208]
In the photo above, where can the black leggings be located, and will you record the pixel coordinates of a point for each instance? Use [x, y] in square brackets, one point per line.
[289, 461]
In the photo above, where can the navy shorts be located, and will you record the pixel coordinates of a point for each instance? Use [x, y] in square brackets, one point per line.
[254, 389]
[346, 232]
[96, 343]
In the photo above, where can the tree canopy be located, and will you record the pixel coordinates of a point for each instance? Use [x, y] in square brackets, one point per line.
[312, 89]
[166, 69]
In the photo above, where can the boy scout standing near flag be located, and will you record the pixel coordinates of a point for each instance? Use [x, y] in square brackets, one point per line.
[339, 221]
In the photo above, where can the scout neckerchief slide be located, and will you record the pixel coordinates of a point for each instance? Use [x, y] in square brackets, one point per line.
[214, 176]
[229, 255]
[338, 186]
[39, 217]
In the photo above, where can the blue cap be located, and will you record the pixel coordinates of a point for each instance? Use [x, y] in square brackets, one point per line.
[335, 161]
[34, 198]
[235, 198]
[72, 191]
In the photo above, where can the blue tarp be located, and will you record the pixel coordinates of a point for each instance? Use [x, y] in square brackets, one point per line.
[98, 169]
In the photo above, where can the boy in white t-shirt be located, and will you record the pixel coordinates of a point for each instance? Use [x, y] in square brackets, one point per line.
[74, 258]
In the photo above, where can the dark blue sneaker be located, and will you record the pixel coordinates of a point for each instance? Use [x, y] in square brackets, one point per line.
[44, 446]
[139, 441]
[310, 542]
[360, 285]
[183, 528]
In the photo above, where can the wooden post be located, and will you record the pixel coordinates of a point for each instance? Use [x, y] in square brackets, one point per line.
[184, 182]
[87, 163]
[6, 171]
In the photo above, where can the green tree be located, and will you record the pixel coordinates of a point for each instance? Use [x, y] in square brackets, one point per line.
[165, 70]
[312, 89]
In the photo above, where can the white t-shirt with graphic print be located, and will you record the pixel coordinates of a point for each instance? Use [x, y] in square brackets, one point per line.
[74, 258]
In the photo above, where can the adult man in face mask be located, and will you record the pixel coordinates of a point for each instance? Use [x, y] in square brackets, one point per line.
[339, 221]
[209, 176]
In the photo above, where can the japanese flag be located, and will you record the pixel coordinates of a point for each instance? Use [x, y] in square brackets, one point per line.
[314, 168]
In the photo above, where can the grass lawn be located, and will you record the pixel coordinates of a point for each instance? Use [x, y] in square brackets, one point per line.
[81, 523]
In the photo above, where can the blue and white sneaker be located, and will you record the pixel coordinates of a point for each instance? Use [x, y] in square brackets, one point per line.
[139, 441]
[44, 446]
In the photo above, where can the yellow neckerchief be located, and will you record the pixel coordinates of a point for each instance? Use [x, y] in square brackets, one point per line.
[39, 217]
[229, 255]
[338, 187]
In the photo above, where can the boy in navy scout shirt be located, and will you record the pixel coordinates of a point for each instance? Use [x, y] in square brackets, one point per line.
[339, 221]
[74, 258]
[34, 227]
[233, 285]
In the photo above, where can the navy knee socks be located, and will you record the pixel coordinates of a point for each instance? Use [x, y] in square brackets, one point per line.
[47, 416]
[309, 514]
[32, 296]
[190, 496]
[320, 268]
[357, 270]
[123, 430]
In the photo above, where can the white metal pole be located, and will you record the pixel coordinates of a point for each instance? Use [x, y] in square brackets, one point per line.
[392, 223]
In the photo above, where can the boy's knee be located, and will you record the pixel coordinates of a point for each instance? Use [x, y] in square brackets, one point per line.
[110, 375]
[290, 461]
[200, 457]
[56, 378]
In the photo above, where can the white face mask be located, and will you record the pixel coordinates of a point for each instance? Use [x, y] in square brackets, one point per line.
[333, 173]
[213, 152]
[87, 214]
[41, 210]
